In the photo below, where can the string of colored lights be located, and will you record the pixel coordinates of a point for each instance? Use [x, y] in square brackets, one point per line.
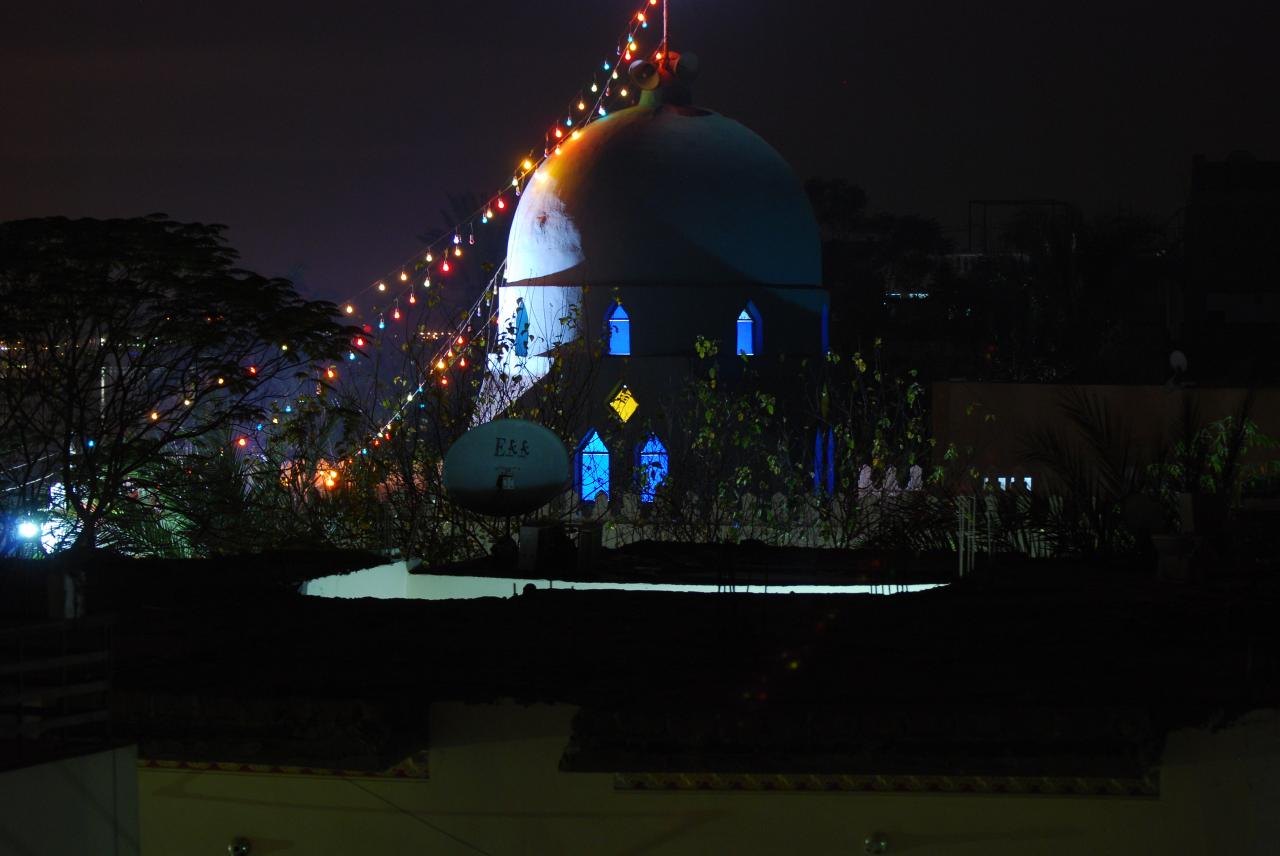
[451, 352]
[445, 251]
[450, 243]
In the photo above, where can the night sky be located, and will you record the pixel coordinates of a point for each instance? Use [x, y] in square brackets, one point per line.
[327, 134]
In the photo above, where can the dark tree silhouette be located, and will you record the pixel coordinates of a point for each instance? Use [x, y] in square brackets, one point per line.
[126, 341]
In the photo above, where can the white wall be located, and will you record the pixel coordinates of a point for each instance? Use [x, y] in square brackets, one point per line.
[73, 807]
[394, 581]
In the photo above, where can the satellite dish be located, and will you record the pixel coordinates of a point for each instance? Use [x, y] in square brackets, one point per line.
[506, 467]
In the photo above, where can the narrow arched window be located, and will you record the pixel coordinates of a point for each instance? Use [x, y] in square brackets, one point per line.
[619, 331]
[522, 329]
[652, 465]
[593, 468]
[748, 330]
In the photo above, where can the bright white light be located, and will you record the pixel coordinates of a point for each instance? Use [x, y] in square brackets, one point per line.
[28, 530]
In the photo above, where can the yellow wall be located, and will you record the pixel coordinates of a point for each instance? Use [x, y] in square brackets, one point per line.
[495, 788]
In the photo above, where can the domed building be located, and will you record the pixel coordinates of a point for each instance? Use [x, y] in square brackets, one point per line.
[651, 227]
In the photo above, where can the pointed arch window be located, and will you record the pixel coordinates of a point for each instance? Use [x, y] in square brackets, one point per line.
[652, 465]
[619, 331]
[593, 467]
[522, 329]
[824, 461]
[748, 339]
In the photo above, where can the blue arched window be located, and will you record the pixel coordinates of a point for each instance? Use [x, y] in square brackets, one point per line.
[652, 466]
[619, 331]
[522, 329]
[748, 330]
[824, 461]
[593, 468]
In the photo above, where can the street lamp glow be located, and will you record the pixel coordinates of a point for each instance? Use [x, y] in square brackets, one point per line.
[28, 530]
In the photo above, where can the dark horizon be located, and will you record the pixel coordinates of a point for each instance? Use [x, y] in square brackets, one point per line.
[328, 140]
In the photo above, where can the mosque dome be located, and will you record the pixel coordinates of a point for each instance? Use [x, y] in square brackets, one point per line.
[664, 194]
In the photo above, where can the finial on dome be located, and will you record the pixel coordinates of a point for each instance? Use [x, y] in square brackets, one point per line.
[668, 80]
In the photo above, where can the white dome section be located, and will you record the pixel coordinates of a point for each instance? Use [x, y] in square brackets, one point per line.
[664, 195]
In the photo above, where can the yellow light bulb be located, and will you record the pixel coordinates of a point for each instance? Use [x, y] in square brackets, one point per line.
[623, 92]
[154, 416]
[582, 105]
[528, 164]
[350, 309]
[575, 135]
[440, 365]
[404, 277]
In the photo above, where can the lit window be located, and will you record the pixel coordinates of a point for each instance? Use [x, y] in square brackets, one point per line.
[653, 467]
[593, 468]
[624, 403]
[522, 329]
[824, 461]
[826, 328]
[748, 330]
[619, 331]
